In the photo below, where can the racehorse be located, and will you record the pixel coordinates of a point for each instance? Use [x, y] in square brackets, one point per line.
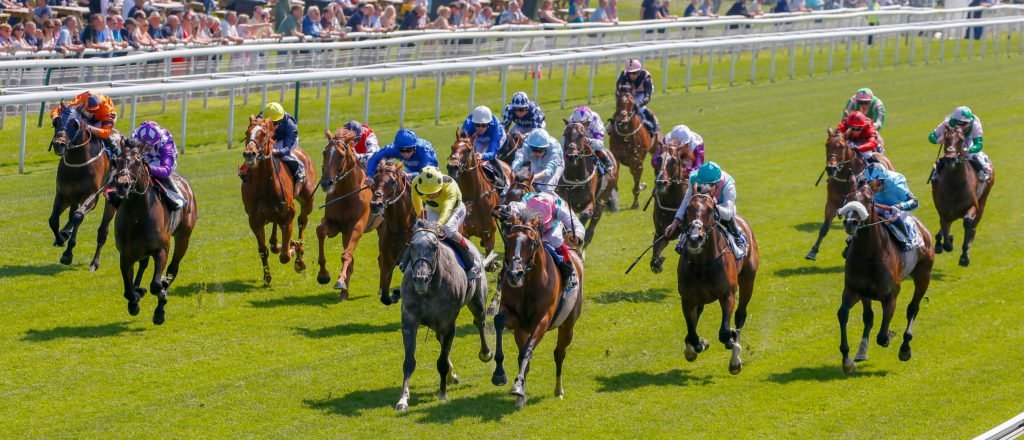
[875, 268]
[391, 200]
[347, 207]
[513, 142]
[669, 189]
[143, 228]
[841, 164]
[629, 141]
[708, 272]
[81, 176]
[520, 185]
[958, 194]
[581, 187]
[530, 303]
[268, 194]
[479, 193]
[434, 291]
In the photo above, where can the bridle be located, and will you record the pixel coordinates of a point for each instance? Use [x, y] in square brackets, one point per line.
[534, 242]
[576, 140]
[431, 263]
[624, 117]
[833, 171]
[953, 142]
[461, 165]
[333, 144]
[399, 179]
[131, 181]
[250, 138]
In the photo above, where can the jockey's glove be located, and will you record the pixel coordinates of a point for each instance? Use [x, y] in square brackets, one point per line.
[933, 138]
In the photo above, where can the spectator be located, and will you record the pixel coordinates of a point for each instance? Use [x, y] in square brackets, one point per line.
[201, 29]
[407, 5]
[600, 14]
[977, 32]
[756, 8]
[152, 38]
[441, 22]
[229, 28]
[649, 10]
[708, 9]
[360, 20]
[92, 35]
[128, 33]
[374, 17]
[513, 14]
[612, 11]
[663, 13]
[311, 22]
[576, 12]
[213, 28]
[32, 34]
[112, 33]
[68, 38]
[457, 13]
[488, 14]
[781, 7]
[414, 19]
[154, 25]
[260, 26]
[693, 9]
[739, 8]
[48, 39]
[173, 31]
[281, 11]
[814, 5]
[547, 13]
[42, 12]
[289, 27]
[16, 37]
[140, 5]
[348, 7]
[329, 21]
[5, 37]
[387, 20]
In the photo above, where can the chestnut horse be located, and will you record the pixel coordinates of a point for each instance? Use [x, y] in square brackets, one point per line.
[958, 194]
[347, 206]
[144, 226]
[530, 294]
[670, 186]
[841, 164]
[708, 272]
[582, 186]
[81, 175]
[629, 141]
[478, 192]
[268, 195]
[392, 200]
[875, 268]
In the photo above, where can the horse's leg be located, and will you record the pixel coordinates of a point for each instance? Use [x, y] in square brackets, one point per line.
[137, 284]
[259, 230]
[849, 299]
[477, 306]
[306, 206]
[637, 171]
[274, 246]
[970, 227]
[727, 336]
[595, 218]
[385, 266]
[180, 247]
[657, 260]
[488, 242]
[70, 232]
[350, 239]
[830, 214]
[869, 321]
[286, 243]
[101, 235]
[444, 362]
[59, 205]
[888, 310]
[498, 378]
[922, 277]
[127, 278]
[565, 333]
[694, 344]
[527, 343]
[946, 238]
[325, 230]
[157, 287]
[409, 327]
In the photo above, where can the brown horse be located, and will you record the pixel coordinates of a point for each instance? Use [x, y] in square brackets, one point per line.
[958, 194]
[144, 226]
[268, 194]
[520, 185]
[513, 142]
[708, 272]
[347, 207]
[82, 173]
[391, 200]
[581, 186]
[875, 268]
[629, 141]
[841, 164]
[478, 192]
[530, 291]
[669, 189]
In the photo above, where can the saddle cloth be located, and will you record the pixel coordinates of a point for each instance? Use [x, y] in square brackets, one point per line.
[566, 298]
[905, 232]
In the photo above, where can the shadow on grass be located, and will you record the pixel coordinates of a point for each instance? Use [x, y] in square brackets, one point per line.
[79, 332]
[298, 300]
[232, 286]
[32, 269]
[349, 329]
[488, 407]
[354, 403]
[639, 379]
[809, 270]
[637, 296]
[816, 226]
[823, 373]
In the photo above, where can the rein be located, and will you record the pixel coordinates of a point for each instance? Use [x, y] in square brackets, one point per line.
[528, 266]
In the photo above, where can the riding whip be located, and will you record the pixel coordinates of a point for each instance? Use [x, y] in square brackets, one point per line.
[648, 204]
[928, 181]
[637, 260]
[819, 177]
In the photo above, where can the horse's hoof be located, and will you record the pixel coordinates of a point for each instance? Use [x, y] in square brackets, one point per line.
[396, 294]
[57, 242]
[323, 278]
[493, 266]
[386, 300]
[499, 379]
[443, 397]
[520, 402]
[266, 280]
[65, 259]
[94, 266]
[690, 353]
[275, 248]
[133, 308]
[813, 256]
[300, 266]
[860, 357]
[139, 293]
[485, 356]
[158, 317]
[905, 353]
[884, 339]
[343, 296]
[849, 366]
[656, 268]
[635, 205]
[340, 285]
[938, 248]
[947, 244]
[284, 258]
[401, 407]
[453, 379]
[965, 261]
[735, 369]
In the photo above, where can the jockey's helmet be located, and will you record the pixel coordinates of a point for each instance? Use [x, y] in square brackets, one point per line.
[544, 205]
[430, 181]
[874, 171]
[633, 65]
[707, 174]
[92, 103]
[864, 94]
[538, 139]
[148, 133]
[680, 135]
[355, 127]
[273, 111]
[581, 114]
[405, 138]
[961, 114]
[520, 100]
[857, 119]
[482, 115]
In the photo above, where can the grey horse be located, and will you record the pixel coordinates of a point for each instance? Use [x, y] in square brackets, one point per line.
[434, 290]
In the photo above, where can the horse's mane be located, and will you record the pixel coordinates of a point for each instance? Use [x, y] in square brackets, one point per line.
[344, 134]
[524, 174]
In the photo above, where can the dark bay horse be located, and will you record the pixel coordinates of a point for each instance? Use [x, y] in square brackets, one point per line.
[269, 196]
[841, 164]
[530, 290]
[513, 142]
[582, 186]
[478, 192]
[670, 186]
[82, 174]
[143, 228]
[958, 194]
[348, 206]
[520, 185]
[434, 291]
[709, 272]
[875, 268]
[392, 200]
[629, 141]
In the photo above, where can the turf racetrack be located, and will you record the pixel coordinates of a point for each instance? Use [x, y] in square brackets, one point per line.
[238, 360]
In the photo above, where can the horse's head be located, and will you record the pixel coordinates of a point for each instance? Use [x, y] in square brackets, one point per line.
[674, 160]
[259, 140]
[131, 175]
[953, 151]
[522, 183]
[388, 187]
[700, 219]
[625, 109]
[576, 144]
[67, 128]
[838, 154]
[463, 154]
[423, 254]
[858, 208]
[513, 142]
[523, 242]
[339, 158]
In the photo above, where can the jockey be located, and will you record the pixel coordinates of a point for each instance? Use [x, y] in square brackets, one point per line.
[891, 190]
[286, 138]
[415, 153]
[971, 126]
[489, 139]
[555, 217]
[682, 135]
[366, 140]
[522, 115]
[866, 102]
[861, 134]
[444, 206]
[100, 116]
[722, 187]
[544, 155]
[595, 132]
[162, 158]
[637, 79]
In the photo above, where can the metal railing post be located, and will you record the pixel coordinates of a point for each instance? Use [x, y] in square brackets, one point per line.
[327, 105]
[401, 106]
[231, 116]
[437, 100]
[366, 100]
[24, 130]
[590, 83]
[184, 121]
[565, 83]
[472, 89]
[135, 103]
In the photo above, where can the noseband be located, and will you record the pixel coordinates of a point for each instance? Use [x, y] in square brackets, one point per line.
[531, 235]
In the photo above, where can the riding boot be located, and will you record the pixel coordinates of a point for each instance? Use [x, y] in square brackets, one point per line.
[113, 146]
[499, 175]
[568, 273]
[606, 162]
[461, 246]
[171, 194]
[979, 167]
[654, 123]
[737, 235]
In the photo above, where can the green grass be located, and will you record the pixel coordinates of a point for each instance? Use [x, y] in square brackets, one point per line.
[238, 360]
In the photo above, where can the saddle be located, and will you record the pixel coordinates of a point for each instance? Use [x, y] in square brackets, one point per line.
[566, 298]
[905, 232]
